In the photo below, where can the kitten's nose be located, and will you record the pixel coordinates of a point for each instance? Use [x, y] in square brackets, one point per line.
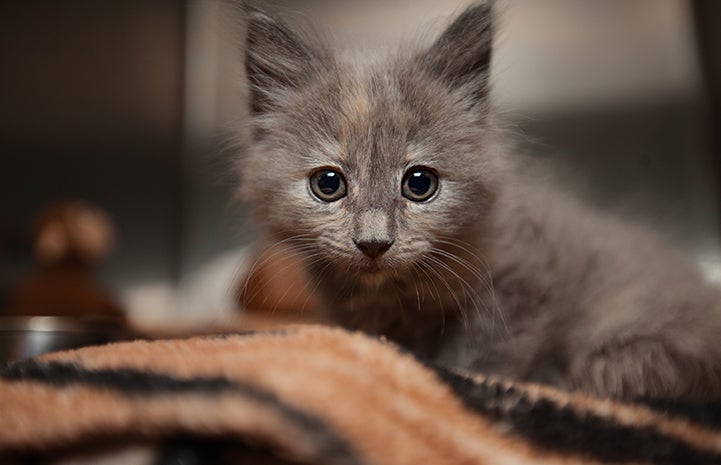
[373, 249]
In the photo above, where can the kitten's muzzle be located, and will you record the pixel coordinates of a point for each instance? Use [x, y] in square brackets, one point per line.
[373, 249]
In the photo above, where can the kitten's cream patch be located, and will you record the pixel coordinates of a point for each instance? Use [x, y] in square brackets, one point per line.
[356, 108]
[357, 105]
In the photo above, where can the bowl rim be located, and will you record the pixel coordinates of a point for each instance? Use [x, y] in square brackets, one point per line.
[51, 324]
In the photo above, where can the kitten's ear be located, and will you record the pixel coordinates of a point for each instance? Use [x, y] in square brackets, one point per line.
[461, 57]
[276, 59]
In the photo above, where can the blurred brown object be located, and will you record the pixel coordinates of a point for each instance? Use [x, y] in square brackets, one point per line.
[69, 240]
[275, 291]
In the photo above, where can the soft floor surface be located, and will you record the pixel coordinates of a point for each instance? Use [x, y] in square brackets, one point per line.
[317, 395]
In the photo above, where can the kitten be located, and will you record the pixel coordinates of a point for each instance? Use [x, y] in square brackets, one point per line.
[389, 178]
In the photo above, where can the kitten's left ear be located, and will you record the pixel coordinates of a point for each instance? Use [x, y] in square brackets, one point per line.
[277, 59]
[461, 57]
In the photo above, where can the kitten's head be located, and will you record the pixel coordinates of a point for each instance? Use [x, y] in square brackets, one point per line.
[368, 163]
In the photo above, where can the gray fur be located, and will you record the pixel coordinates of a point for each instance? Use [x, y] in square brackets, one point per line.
[494, 273]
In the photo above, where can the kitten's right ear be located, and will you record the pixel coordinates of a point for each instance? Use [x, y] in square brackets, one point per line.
[277, 59]
[461, 57]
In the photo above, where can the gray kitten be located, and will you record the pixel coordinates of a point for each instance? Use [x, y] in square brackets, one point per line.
[389, 177]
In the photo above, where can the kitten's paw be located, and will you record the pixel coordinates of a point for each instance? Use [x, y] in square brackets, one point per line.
[639, 368]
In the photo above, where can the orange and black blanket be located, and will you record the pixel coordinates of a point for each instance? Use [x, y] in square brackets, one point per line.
[317, 395]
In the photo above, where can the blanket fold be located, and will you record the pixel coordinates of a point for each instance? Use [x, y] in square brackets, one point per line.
[318, 395]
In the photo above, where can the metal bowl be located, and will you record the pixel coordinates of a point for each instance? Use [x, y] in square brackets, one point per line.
[24, 337]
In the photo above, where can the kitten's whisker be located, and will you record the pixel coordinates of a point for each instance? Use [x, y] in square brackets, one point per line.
[486, 281]
[464, 285]
[461, 261]
[460, 244]
[318, 280]
[267, 280]
[470, 292]
[312, 259]
[450, 269]
[467, 247]
[262, 260]
[431, 281]
[459, 307]
[414, 279]
[291, 254]
[476, 255]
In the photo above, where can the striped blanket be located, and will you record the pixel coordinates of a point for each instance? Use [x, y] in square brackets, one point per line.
[318, 395]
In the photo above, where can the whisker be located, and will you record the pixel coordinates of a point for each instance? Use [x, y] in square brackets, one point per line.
[465, 265]
[438, 299]
[318, 280]
[414, 280]
[459, 307]
[262, 260]
[486, 279]
[464, 285]
[267, 281]
[312, 260]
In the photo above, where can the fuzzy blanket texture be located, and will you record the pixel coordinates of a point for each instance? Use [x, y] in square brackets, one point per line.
[318, 395]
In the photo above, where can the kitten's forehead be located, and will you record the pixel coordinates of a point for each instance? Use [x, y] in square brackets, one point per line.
[375, 120]
[389, 117]
[374, 124]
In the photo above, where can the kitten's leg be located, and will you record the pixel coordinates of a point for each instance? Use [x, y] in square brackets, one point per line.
[643, 367]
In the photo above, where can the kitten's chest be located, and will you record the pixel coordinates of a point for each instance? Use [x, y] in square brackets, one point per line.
[415, 313]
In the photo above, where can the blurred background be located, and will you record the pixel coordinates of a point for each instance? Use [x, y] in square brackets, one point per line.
[129, 105]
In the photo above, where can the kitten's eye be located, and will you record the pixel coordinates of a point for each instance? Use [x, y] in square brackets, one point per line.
[328, 185]
[419, 184]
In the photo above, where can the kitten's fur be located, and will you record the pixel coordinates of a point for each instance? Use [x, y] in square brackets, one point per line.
[493, 273]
